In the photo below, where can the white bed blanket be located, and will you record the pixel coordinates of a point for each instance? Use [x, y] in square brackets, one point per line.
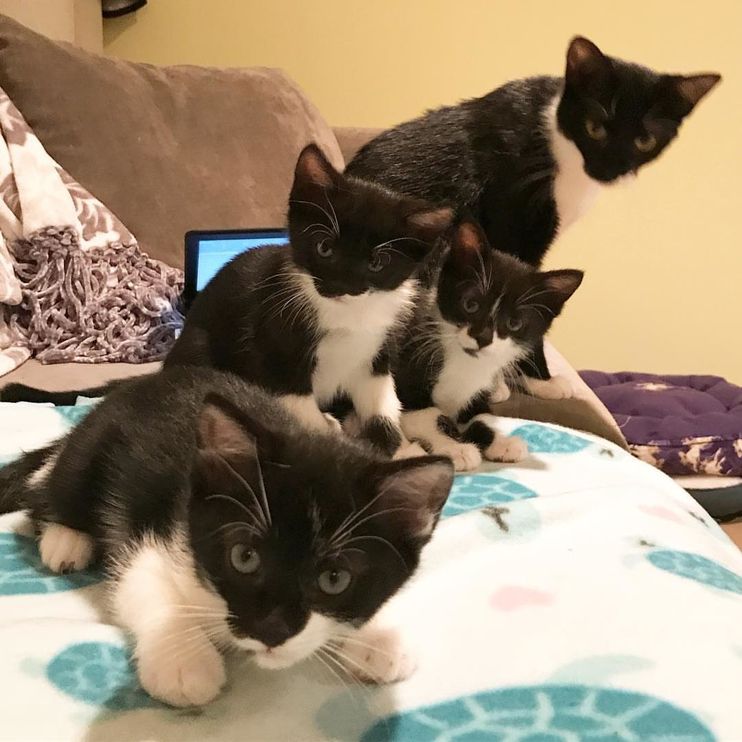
[579, 595]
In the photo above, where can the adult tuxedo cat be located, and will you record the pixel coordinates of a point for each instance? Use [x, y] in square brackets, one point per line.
[527, 159]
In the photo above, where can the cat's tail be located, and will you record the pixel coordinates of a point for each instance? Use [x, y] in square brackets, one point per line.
[15, 487]
[23, 393]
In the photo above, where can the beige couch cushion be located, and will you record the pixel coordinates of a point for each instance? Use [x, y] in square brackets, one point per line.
[167, 149]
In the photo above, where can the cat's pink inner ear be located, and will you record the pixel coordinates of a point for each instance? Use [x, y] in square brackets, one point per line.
[694, 87]
[432, 220]
[563, 282]
[583, 58]
[220, 432]
[469, 238]
[313, 167]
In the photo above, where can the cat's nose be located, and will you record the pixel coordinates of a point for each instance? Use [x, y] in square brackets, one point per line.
[483, 337]
[273, 629]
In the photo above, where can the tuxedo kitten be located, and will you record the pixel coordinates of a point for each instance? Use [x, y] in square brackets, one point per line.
[487, 313]
[528, 158]
[316, 320]
[221, 523]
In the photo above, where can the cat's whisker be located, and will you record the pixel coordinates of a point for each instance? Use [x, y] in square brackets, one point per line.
[233, 500]
[236, 526]
[324, 659]
[352, 639]
[381, 539]
[338, 539]
[264, 513]
[328, 653]
[317, 206]
[335, 221]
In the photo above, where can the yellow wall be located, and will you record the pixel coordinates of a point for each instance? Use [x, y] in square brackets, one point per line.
[663, 255]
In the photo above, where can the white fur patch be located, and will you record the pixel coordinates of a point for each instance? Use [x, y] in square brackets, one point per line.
[304, 408]
[507, 448]
[377, 655]
[176, 620]
[574, 190]
[500, 391]
[557, 387]
[423, 425]
[463, 376]
[318, 631]
[352, 331]
[37, 478]
[65, 549]
[374, 395]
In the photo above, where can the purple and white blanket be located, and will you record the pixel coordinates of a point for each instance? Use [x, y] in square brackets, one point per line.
[680, 424]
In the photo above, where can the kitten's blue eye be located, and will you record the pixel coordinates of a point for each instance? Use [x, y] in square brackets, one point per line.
[470, 305]
[514, 323]
[334, 581]
[324, 248]
[595, 130]
[378, 262]
[245, 559]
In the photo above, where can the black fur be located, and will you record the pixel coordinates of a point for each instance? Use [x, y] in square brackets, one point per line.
[193, 450]
[481, 435]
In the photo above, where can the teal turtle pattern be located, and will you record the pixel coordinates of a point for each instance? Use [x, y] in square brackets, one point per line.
[73, 414]
[22, 573]
[543, 439]
[543, 713]
[696, 567]
[99, 674]
[475, 491]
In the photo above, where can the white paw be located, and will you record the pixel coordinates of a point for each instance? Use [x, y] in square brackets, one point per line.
[465, 456]
[508, 448]
[557, 387]
[377, 656]
[333, 423]
[64, 549]
[181, 676]
[351, 425]
[500, 393]
[409, 450]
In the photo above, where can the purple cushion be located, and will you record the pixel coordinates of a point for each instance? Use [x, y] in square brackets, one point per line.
[681, 424]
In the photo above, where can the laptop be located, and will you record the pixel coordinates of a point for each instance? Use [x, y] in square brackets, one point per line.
[207, 251]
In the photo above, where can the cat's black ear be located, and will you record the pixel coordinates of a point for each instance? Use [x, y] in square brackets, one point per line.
[413, 493]
[314, 169]
[468, 244]
[558, 286]
[690, 89]
[227, 431]
[587, 66]
[430, 222]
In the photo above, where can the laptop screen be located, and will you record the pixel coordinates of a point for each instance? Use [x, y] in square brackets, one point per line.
[207, 252]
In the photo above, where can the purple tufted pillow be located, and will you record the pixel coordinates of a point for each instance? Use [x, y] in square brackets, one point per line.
[680, 424]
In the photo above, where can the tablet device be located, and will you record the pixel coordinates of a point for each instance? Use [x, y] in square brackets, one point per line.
[207, 251]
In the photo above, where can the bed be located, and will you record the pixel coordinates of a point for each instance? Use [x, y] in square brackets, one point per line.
[578, 595]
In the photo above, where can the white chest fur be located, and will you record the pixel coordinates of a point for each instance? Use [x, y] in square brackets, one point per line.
[353, 330]
[463, 376]
[574, 189]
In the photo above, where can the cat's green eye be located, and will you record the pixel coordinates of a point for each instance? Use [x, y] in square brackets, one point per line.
[324, 249]
[470, 305]
[514, 324]
[645, 143]
[595, 130]
[334, 581]
[245, 559]
[378, 262]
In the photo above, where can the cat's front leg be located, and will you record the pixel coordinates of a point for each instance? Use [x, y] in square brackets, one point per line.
[500, 390]
[377, 406]
[537, 378]
[439, 435]
[478, 426]
[376, 655]
[304, 408]
[173, 619]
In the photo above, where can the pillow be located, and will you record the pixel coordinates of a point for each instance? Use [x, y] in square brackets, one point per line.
[167, 149]
[680, 424]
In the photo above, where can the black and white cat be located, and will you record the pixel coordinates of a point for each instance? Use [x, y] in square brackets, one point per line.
[316, 321]
[486, 313]
[528, 158]
[220, 523]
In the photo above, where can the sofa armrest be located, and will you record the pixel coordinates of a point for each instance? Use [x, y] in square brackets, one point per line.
[352, 138]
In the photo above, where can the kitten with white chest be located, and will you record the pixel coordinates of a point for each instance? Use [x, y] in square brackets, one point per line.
[485, 313]
[315, 321]
[528, 158]
[221, 523]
